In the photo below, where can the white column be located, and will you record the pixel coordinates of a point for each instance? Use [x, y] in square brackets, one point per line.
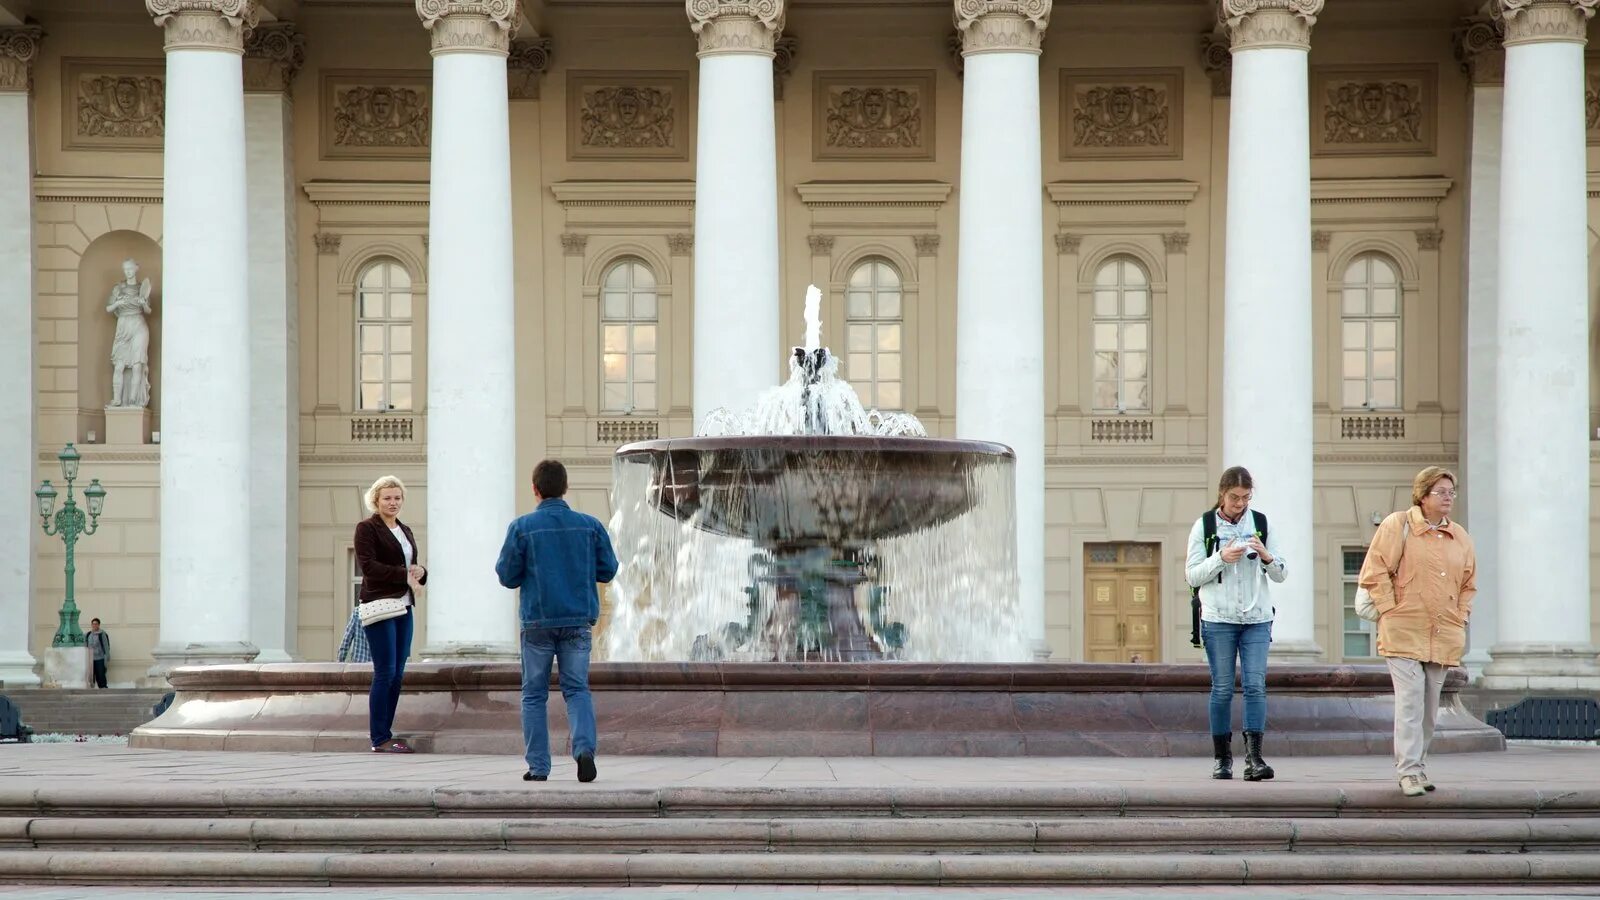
[273, 54]
[205, 368]
[472, 480]
[738, 349]
[1479, 46]
[18, 530]
[1000, 264]
[1267, 351]
[1542, 402]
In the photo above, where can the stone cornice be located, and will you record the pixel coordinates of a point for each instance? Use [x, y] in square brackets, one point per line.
[574, 194]
[1122, 193]
[736, 26]
[97, 189]
[1354, 190]
[1258, 24]
[18, 47]
[367, 193]
[1002, 26]
[204, 24]
[273, 54]
[470, 26]
[823, 194]
[1534, 21]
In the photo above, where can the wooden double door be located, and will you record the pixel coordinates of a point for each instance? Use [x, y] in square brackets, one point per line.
[1122, 609]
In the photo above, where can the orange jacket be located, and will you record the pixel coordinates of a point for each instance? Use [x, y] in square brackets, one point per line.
[1423, 609]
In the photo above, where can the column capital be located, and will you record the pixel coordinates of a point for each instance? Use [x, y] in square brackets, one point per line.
[1321, 241]
[1068, 242]
[736, 26]
[573, 243]
[470, 26]
[1176, 241]
[1535, 21]
[820, 244]
[926, 244]
[680, 244]
[273, 54]
[327, 242]
[1430, 238]
[204, 24]
[1481, 49]
[18, 47]
[1216, 57]
[1002, 26]
[1257, 24]
[527, 63]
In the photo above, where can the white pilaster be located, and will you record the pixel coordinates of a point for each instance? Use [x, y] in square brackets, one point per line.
[1000, 265]
[1267, 349]
[472, 483]
[205, 429]
[1542, 403]
[273, 54]
[18, 531]
[1480, 49]
[737, 340]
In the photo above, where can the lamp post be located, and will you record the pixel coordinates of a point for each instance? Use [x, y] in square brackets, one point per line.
[70, 525]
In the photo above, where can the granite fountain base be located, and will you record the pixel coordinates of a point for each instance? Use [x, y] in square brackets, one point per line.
[802, 709]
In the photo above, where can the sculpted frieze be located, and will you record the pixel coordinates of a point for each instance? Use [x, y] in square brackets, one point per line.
[376, 115]
[1363, 111]
[627, 115]
[874, 115]
[114, 104]
[1122, 113]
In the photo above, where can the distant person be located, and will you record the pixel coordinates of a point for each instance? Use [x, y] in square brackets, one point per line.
[1422, 617]
[387, 554]
[556, 555]
[100, 648]
[1231, 559]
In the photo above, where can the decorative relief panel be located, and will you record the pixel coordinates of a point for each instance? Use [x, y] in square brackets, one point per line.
[376, 115]
[1373, 111]
[113, 104]
[1591, 100]
[886, 115]
[627, 115]
[1122, 114]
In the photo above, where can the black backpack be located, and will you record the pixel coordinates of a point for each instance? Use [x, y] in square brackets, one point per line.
[1208, 528]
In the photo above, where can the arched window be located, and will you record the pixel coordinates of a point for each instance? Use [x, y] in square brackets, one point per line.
[628, 338]
[383, 337]
[1121, 336]
[874, 321]
[1371, 320]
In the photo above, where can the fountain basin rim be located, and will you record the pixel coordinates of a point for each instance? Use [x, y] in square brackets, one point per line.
[820, 443]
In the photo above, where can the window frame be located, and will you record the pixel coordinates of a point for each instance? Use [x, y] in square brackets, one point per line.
[1348, 582]
[1369, 320]
[386, 322]
[1120, 321]
[871, 397]
[630, 323]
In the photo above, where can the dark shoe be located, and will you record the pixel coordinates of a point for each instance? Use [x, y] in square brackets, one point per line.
[1222, 752]
[393, 746]
[1255, 768]
[586, 770]
[529, 776]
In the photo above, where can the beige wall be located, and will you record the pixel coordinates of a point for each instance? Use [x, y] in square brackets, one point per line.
[97, 205]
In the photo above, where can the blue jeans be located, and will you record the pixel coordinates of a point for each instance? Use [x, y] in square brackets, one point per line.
[541, 647]
[390, 641]
[1224, 643]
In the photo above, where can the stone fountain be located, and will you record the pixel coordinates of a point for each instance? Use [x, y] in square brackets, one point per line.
[808, 577]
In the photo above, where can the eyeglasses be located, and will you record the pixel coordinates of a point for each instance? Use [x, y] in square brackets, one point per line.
[1446, 494]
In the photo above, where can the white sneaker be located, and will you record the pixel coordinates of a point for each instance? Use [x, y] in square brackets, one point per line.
[1412, 785]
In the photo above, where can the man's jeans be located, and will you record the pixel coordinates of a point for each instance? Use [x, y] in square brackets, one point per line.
[1224, 643]
[100, 673]
[541, 647]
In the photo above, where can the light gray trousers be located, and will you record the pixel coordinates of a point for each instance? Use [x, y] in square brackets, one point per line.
[1416, 705]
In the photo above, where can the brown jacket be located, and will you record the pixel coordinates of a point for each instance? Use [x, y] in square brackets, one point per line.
[381, 561]
[1423, 609]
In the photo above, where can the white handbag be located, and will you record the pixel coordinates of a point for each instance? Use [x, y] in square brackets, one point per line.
[374, 611]
[1365, 607]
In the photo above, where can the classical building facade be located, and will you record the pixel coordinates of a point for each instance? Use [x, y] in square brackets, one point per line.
[1137, 240]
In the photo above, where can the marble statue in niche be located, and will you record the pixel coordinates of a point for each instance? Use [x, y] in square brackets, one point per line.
[1373, 112]
[130, 349]
[121, 106]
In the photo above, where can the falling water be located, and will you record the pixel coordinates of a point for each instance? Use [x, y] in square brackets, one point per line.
[812, 528]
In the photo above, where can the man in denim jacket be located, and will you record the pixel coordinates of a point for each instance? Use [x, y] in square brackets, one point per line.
[556, 555]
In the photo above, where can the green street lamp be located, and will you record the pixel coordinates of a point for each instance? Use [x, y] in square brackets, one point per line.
[70, 525]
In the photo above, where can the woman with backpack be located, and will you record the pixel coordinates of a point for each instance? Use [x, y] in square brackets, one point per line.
[1231, 559]
[1418, 581]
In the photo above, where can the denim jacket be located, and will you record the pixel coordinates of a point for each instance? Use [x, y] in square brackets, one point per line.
[556, 555]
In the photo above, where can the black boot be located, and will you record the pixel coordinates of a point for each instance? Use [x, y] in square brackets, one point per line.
[1222, 751]
[1255, 768]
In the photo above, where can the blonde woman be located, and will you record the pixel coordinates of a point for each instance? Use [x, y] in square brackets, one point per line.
[1420, 572]
[387, 554]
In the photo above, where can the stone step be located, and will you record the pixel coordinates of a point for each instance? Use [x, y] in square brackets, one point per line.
[926, 870]
[85, 711]
[1417, 837]
[1209, 799]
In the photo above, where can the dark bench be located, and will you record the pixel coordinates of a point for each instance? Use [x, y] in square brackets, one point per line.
[11, 727]
[1549, 719]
